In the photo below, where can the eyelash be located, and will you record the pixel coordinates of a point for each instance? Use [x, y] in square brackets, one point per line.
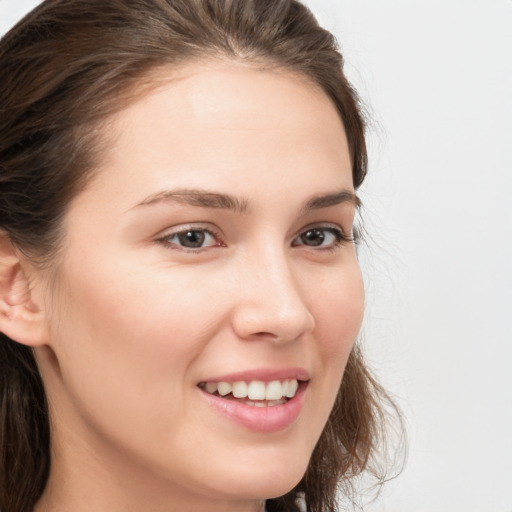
[165, 240]
[340, 238]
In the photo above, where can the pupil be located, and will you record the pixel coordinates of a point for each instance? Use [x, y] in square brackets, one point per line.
[192, 239]
[313, 237]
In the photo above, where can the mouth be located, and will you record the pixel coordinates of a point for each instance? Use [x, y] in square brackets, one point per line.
[254, 393]
[260, 400]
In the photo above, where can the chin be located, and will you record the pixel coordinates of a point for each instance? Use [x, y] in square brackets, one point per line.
[268, 479]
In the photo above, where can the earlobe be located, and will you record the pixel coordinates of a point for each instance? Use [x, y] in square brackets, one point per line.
[21, 319]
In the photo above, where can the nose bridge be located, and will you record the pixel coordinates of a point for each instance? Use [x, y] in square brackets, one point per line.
[272, 303]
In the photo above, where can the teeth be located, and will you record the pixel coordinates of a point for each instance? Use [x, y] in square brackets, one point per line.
[224, 388]
[211, 387]
[240, 389]
[269, 403]
[292, 388]
[274, 390]
[255, 390]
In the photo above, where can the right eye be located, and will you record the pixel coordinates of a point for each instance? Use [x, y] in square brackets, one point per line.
[191, 239]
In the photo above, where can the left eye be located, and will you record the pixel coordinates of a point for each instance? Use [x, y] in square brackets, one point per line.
[320, 237]
[191, 239]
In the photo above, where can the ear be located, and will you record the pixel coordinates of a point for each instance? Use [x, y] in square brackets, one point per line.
[21, 318]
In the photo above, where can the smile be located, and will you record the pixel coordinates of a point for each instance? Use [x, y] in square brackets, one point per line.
[261, 400]
[254, 393]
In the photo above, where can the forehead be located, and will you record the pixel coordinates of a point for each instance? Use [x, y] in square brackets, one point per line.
[225, 95]
[226, 123]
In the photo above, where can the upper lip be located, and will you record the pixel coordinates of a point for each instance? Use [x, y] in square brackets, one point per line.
[263, 374]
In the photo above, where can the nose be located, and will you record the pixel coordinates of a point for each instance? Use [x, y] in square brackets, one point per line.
[270, 302]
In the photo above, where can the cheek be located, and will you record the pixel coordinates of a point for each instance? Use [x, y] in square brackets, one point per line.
[339, 310]
[126, 347]
[137, 322]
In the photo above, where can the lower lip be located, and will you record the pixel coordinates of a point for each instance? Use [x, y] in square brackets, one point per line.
[260, 419]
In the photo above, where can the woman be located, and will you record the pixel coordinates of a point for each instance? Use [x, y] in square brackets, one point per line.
[180, 294]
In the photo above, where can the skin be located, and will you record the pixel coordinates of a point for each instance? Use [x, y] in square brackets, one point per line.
[135, 320]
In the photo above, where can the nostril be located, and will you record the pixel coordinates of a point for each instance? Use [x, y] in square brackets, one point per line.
[262, 335]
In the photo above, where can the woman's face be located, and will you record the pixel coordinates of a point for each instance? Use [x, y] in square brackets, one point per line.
[211, 248]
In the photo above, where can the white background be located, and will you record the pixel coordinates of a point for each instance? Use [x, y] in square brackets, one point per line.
[437, 78]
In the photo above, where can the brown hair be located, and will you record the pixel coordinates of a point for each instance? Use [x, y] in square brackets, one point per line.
[66, 68]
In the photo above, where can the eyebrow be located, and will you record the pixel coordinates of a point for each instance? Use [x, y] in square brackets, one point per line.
[326, 200]
[216, 200]
[199, 198]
